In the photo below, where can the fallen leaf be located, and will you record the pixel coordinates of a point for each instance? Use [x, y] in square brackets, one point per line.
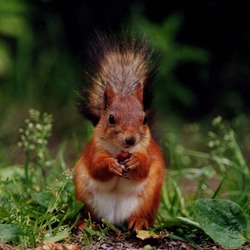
[56, 246]
[144, 234]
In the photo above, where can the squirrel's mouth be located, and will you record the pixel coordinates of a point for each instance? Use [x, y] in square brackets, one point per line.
[126, 146]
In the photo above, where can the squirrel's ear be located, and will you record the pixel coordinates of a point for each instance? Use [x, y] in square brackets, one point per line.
[108, 96]
[138, 93]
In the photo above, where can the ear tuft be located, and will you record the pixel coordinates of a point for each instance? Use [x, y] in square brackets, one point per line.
[138, 93]
[108, 96]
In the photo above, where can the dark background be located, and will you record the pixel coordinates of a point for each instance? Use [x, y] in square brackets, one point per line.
[204, 48]
[220, 27]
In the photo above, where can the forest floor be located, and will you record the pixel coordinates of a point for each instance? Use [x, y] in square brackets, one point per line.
[124, 241]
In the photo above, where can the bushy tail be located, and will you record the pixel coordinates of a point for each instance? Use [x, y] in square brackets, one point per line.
[124, 63]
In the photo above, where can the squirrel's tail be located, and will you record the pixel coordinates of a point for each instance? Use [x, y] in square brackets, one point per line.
[124, 63]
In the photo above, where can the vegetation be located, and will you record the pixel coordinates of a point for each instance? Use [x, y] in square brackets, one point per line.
[220, 174]
[205, 198]
[36, 199]
[169, 89]
[38, 202]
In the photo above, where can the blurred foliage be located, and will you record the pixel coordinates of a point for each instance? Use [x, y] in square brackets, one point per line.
[35, 64]
[39, 70]
[168, 89]
[36, 68]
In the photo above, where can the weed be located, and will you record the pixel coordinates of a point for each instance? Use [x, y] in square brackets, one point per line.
[93, 231]
[219, 173]
[37, 203]
[34, 139]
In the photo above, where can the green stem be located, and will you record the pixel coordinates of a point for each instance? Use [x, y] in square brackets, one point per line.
[111, 226]
[27, 160]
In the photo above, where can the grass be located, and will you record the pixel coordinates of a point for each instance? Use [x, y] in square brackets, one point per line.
[37, 200]
[40, 194]
[219, 173]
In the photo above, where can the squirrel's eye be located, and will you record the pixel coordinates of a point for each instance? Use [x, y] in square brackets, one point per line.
[111, 120]
[145, 120]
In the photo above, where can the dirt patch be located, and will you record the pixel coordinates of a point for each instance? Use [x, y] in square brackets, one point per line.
[124, 241]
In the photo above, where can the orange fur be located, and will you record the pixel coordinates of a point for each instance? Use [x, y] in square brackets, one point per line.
[116, 102]
[97, 171]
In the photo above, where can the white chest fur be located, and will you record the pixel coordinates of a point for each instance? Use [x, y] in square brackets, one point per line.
[115, 200]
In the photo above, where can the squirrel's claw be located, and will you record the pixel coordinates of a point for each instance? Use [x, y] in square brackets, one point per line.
[137, 223]
[132, 163]
[116, 169]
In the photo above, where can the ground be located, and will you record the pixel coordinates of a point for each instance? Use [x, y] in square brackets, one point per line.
[124, 241]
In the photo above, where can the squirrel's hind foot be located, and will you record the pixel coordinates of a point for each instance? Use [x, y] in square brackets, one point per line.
[137, 223]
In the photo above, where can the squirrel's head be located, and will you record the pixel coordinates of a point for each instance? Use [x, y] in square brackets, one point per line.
[125, 62]
[123, 120]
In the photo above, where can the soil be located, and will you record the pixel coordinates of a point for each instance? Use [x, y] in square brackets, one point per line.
[124, 241]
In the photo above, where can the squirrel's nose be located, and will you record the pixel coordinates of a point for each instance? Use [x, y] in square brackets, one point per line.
[130, 141]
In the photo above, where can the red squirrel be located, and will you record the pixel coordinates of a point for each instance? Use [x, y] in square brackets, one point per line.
[120, 173]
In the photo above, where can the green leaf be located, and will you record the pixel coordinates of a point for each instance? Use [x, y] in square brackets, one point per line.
[9, 233]
[224, 221]
[74, 209]
[58, 237]
[42, 198]
[11, 172]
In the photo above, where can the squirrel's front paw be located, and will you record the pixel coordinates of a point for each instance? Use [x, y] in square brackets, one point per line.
[115, 168]
[132, 163]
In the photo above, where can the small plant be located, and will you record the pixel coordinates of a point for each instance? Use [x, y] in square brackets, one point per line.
[222, 175]
[34, 140]
[227, 156]
[37, 203]
[224, 221]
[91, 231]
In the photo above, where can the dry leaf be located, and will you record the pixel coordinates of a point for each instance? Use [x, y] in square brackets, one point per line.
[56, 246]
[144, 234]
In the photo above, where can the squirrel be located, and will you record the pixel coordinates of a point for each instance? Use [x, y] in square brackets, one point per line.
[120, 173]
